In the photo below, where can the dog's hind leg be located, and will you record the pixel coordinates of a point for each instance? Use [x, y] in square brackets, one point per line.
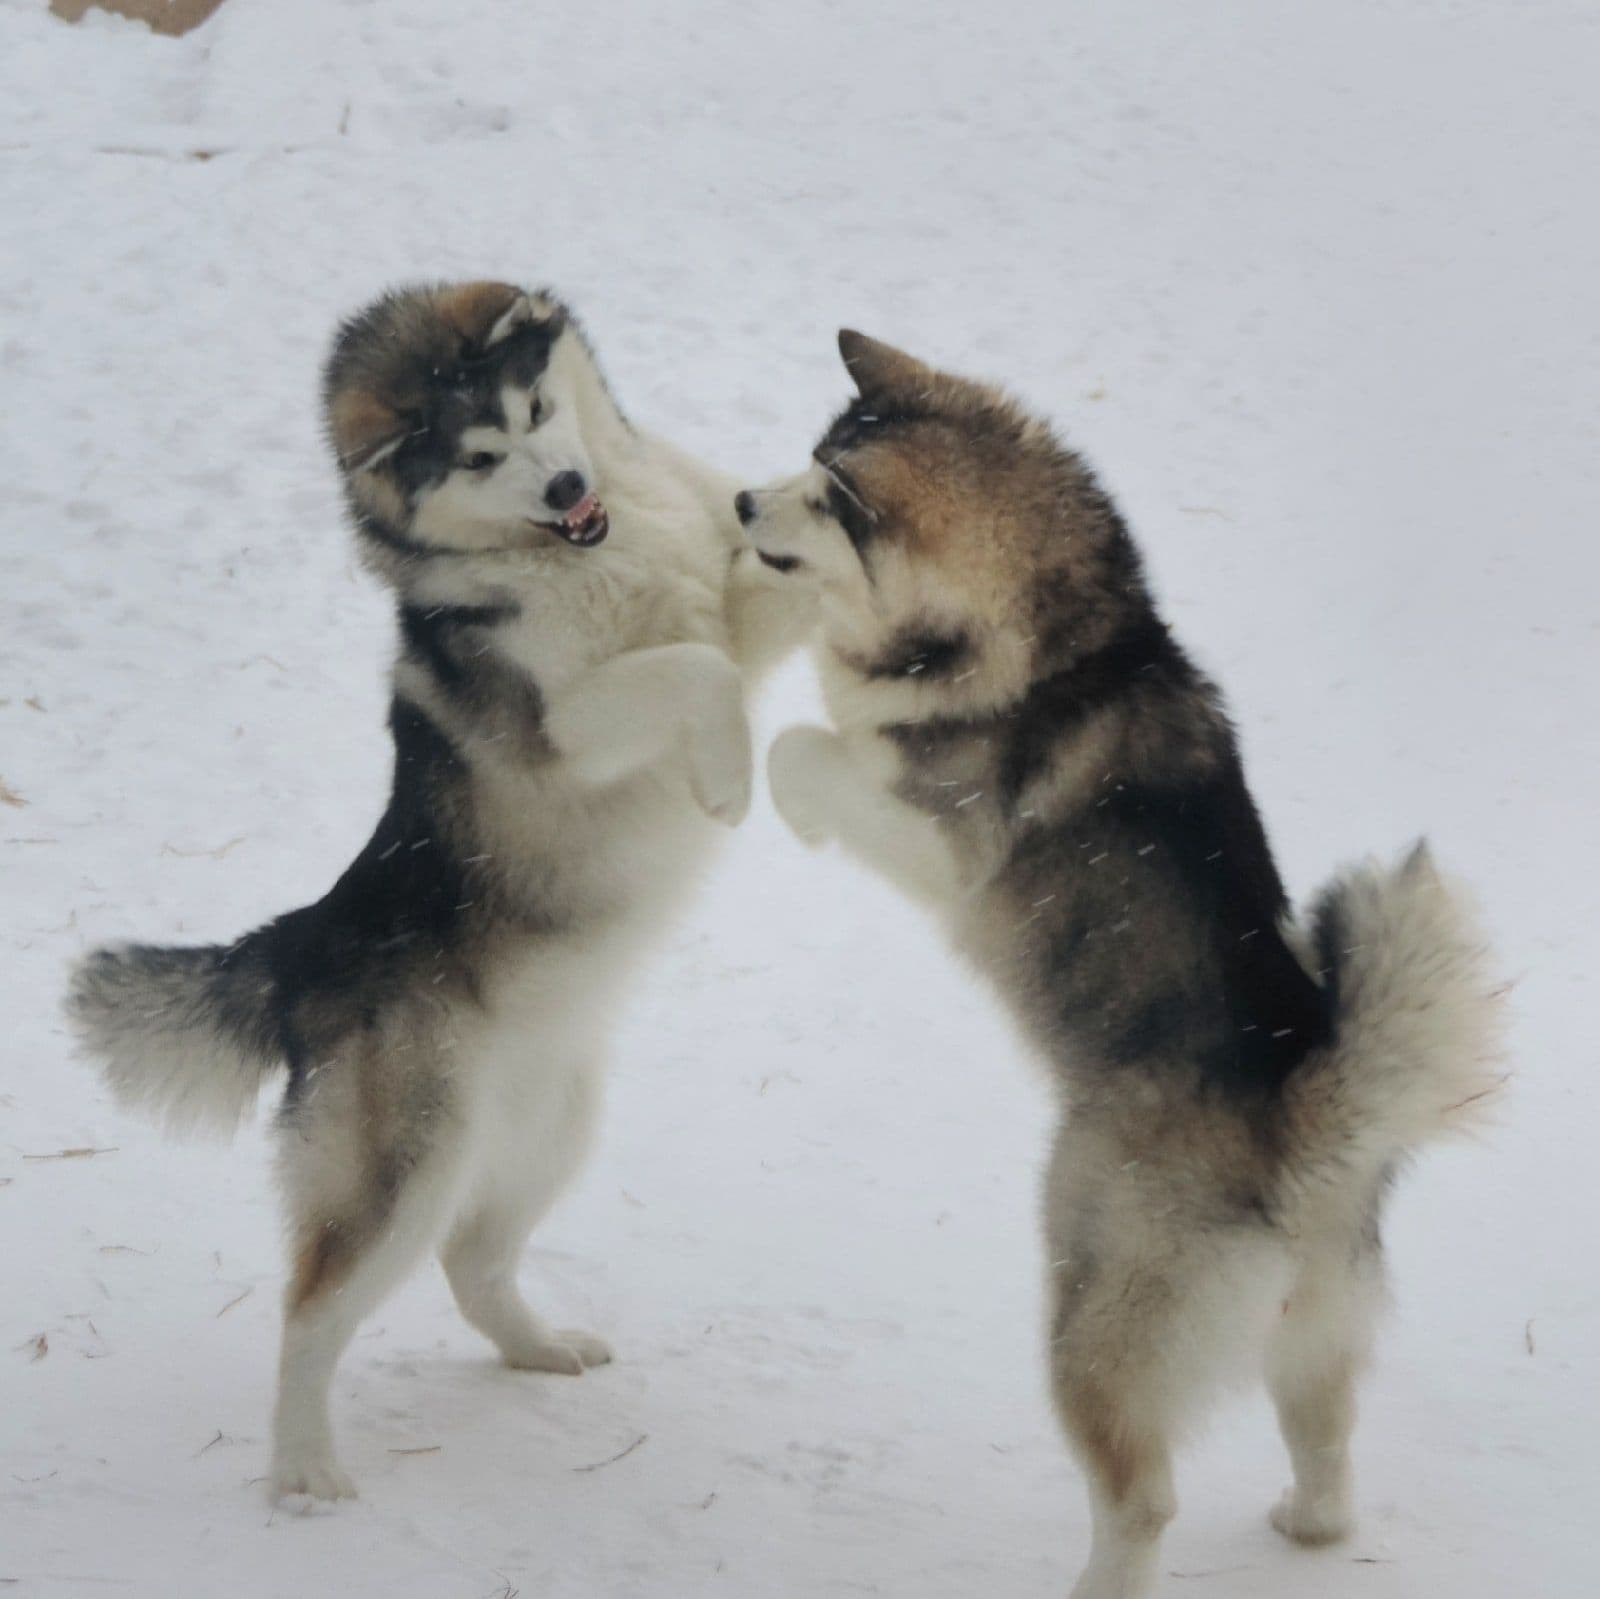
[1314, 1359]
[1151, 1305]
[480, 1259]
[367, 1197]
[480, 1255]
[1107, 1399]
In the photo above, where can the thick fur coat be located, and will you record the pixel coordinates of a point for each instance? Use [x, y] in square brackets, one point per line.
[1020, 742]
[578, 619]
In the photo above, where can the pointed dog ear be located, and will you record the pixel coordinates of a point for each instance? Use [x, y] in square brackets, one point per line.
[547, 310]
[878, 368]
[365, 430]
[483, 313]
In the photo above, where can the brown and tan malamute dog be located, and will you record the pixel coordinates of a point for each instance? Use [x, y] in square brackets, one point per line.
[1019, 740]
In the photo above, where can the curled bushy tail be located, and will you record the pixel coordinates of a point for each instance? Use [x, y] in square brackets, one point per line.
[182, 1035]
[1417, 1051]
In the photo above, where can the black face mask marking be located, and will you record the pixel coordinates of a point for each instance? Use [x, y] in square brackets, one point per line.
[847, 508]
[468, 393]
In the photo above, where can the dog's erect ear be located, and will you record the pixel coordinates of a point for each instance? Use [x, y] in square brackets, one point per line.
[547, 310]
[483, 313]
[878, 368]
[365, 430]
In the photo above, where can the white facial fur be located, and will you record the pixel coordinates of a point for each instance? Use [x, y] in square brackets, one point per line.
[793, 522]
[864, 605]
[490, 508]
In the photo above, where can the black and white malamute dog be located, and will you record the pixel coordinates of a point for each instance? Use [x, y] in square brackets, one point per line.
[578, 614]
[1019, 740]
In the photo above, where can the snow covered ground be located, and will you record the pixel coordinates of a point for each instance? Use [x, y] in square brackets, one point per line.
[1313, 284]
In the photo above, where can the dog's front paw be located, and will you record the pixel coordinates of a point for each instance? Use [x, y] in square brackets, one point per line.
[721, 767]
[717, 736]
[804, 767]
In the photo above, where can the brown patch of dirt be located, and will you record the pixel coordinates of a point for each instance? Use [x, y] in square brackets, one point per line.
[171, 17]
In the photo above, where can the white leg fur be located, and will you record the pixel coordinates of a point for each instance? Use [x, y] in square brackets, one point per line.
[1315, 1356]
[823, 796]
[638, 707]
[303, 1456]
[1127, 1538]
[316, 1335]
[480, 1260]
[1152, 1315]
[497, 1176]
[519, 1183]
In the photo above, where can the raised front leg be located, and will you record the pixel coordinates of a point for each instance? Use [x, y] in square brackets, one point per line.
[642, 707]
[824, 795]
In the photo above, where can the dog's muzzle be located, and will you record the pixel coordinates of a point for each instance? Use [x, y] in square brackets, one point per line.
[585, 525]
[746, 509]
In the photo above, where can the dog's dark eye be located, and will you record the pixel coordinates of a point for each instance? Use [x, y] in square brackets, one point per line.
[480, 461]
[816, 507]
[535, 412]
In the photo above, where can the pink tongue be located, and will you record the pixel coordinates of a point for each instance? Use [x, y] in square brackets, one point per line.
[582, 511]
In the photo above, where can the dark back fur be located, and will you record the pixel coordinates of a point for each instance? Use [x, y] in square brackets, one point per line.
[1131, 897]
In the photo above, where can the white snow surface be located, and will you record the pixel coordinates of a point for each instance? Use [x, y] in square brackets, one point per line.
[1313, 285]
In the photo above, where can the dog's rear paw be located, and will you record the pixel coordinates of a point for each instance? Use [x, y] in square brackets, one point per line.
[1312, 1522]
[314, 1476]
[592, 1351]
[568, 1354]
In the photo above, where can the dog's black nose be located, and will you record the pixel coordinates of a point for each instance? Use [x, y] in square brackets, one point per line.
[564, 490]
[744, 507]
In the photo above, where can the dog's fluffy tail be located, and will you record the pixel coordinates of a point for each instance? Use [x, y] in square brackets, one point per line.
[184, 1036]
[1417, 1049]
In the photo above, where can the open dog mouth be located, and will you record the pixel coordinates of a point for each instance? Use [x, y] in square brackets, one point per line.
[585, 525]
